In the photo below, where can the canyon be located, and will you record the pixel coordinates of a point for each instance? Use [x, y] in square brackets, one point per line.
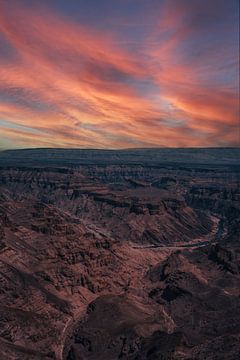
[120, 254]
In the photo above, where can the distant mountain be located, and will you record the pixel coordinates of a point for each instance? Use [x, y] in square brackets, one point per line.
[152, 156]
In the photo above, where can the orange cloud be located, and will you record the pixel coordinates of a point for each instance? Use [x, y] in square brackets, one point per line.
[77, 87]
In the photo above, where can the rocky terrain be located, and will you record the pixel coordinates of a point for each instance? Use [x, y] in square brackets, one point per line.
[129, 254]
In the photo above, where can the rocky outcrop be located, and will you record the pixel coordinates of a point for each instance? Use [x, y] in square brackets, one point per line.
[199, 298]
[118, 334]
[225, 257]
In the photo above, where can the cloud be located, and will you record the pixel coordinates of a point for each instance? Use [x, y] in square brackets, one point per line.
[77, 86]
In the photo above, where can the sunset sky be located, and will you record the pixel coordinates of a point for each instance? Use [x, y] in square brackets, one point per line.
[118, 73]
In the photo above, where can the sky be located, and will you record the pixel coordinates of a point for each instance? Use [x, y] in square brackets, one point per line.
[119, 73]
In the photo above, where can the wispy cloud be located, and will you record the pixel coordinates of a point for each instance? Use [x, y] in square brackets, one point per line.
[70, 84]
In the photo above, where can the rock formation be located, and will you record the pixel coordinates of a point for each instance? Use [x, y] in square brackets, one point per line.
[110, 256]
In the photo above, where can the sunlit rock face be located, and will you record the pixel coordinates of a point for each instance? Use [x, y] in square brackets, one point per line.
[119, 255]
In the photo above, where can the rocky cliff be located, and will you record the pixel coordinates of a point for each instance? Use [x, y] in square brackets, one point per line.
[130, 260]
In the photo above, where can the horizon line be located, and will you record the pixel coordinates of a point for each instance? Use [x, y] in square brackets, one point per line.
[122, 149]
